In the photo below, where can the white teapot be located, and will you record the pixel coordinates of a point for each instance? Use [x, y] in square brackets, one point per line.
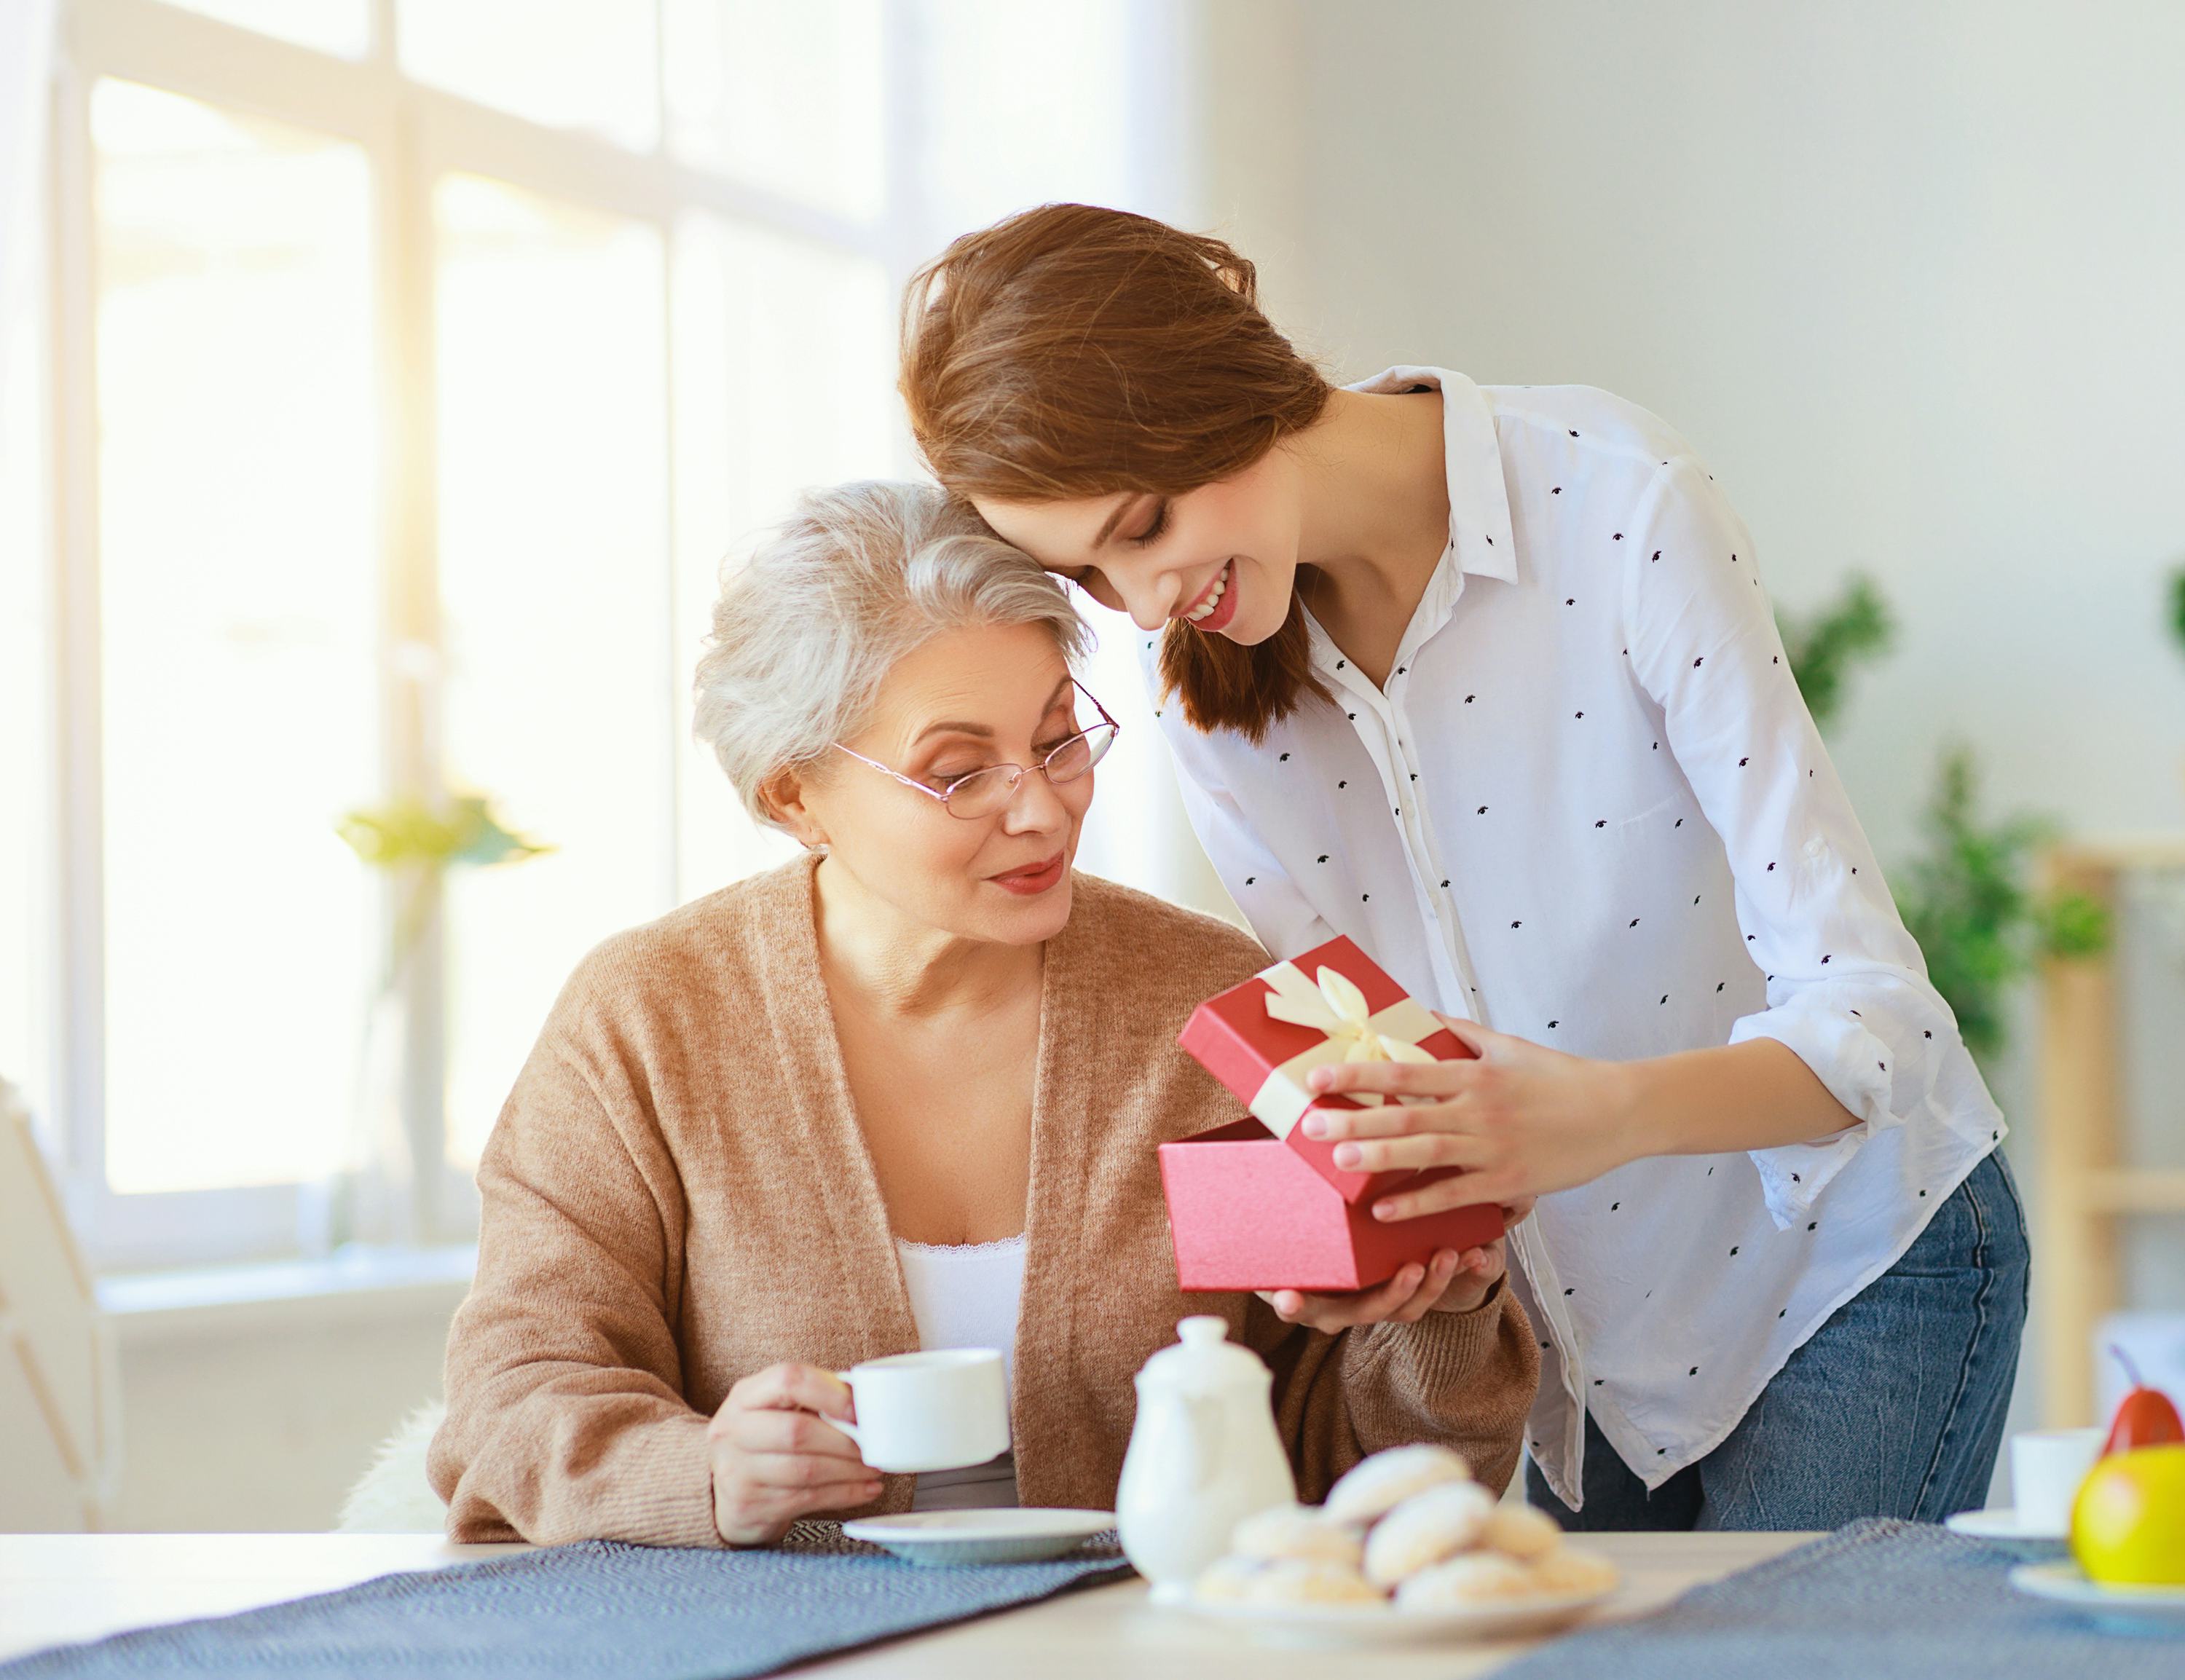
[1203, 1454]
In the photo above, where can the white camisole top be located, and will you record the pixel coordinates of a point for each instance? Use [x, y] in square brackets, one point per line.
[967, 1296]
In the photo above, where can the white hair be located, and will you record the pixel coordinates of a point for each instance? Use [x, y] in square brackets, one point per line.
[806, 630]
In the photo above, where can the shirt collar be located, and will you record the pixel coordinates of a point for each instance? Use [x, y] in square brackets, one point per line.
[1471, 452]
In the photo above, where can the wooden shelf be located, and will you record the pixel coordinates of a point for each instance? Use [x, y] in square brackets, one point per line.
[2136, 1190]
[2120, 853]
[2087, 1188]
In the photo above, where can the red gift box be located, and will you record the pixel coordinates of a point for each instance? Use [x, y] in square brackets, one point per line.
[1258, 1205]
[1264, 1059]
[1245, 1213]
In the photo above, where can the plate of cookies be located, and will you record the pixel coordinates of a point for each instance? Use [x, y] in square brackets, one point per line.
[1408, 1548]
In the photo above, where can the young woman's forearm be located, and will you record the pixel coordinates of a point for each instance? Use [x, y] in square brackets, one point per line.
[1525, 1120]
[1756, 1095]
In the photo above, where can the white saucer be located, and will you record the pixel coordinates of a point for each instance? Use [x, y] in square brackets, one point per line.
[1386, 1625]
[2132, 1609]
[1002, 1534]
[2003, 1530]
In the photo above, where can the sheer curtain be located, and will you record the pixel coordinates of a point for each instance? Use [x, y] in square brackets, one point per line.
[26, 58]
[26, 44]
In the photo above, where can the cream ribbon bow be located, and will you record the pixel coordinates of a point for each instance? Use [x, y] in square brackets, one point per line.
[1335, 1007]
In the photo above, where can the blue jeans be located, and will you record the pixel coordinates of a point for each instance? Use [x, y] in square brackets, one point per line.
[1894, 1408]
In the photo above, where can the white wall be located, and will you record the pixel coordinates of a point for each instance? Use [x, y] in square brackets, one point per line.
[1910, 276]
[259, 1419]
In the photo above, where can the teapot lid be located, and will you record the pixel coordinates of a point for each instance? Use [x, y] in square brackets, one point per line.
[1205, 1358]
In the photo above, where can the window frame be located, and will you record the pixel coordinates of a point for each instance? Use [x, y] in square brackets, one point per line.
[412, 136]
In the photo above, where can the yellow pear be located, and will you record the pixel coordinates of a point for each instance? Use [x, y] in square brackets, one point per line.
[2128, 1519]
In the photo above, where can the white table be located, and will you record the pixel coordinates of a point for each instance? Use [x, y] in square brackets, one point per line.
[55, 1588]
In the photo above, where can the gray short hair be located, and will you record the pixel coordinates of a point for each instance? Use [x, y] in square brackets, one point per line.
[806, 630]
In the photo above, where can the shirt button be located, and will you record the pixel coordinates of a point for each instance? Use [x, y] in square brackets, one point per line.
[1816, 848]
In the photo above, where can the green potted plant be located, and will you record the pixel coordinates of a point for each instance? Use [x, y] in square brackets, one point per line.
[1826, 646]
[415, 844]
[1965, 896]
[386, 1187]
[1965, 899]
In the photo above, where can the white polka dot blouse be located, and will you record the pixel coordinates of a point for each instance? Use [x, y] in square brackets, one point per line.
[1589, 808]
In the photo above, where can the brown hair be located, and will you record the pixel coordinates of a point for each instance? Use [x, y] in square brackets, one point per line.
[1071, 351]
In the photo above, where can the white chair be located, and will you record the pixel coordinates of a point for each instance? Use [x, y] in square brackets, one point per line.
[394, 1497]
[60, 1415]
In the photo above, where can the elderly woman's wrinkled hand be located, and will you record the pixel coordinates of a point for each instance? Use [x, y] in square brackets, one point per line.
[1448, 1282]
[775, 1457]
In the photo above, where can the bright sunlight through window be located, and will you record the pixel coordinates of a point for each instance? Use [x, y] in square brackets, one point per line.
[422, 364]
[236, 538]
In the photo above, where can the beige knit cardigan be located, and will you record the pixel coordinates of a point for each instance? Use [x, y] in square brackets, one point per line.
[677, 1195]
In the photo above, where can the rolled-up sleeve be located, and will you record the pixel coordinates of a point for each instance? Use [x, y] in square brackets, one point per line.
[1846, 985]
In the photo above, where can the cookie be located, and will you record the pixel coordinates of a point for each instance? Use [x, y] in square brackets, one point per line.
[1474, 1578]
[1228, 1580]
[1297, 1532]
[1573, 1570]
[1301, 1581]
[1425, 1528]
[1377, 1485]
[1522, 1531]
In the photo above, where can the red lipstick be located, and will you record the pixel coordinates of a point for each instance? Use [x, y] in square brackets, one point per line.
[1034, 879]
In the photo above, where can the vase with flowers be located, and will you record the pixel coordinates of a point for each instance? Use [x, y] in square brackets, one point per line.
[386, 1189]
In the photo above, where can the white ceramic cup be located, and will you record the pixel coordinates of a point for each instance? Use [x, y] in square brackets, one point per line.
[945, 1409]
[2047, 1466]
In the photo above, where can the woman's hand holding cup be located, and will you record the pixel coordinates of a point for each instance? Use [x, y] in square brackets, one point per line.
[776, 1456]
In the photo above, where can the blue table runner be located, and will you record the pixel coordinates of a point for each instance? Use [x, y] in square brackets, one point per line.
[596, 1608]
[1877, 1600]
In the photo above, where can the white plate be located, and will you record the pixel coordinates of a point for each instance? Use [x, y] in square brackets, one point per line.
[2134, 1609]
[1377, 1625]
[1002, 1534]
[2002, 1529]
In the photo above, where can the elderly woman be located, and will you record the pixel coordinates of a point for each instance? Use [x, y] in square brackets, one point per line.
[906, 1090]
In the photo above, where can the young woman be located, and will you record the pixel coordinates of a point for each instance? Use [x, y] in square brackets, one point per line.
[1485, 679]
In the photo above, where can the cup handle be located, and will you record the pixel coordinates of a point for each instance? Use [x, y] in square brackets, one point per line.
[848, 1429]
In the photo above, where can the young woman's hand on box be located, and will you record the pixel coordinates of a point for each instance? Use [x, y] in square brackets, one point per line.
[775, 1458]
[1521, 1118]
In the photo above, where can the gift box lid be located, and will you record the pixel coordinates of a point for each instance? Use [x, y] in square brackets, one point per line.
[1331, 1004]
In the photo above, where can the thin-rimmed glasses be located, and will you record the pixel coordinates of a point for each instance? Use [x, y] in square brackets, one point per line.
[988, 790]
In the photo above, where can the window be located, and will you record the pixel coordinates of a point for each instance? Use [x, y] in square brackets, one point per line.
[417, 364]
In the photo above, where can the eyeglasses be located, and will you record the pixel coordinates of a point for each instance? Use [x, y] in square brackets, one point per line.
[985, 792]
